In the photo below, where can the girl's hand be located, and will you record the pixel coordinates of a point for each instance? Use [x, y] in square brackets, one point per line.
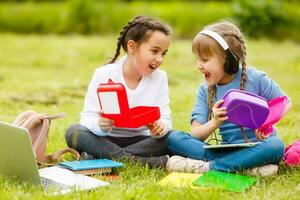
[157, 128]
[260, 135]
[219, 113]
[104, 123]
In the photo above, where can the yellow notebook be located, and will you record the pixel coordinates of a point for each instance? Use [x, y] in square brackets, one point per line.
[178, 179]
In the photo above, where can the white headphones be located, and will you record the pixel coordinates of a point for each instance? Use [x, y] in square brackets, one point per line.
[217, 37]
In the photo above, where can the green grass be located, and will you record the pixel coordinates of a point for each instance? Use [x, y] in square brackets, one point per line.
[50, 74]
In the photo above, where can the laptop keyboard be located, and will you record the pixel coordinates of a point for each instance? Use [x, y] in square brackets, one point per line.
[48, 183]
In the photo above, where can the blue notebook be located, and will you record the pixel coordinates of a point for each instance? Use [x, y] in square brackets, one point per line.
[90, 164]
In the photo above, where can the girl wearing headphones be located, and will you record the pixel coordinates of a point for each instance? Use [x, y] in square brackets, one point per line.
[221, 58]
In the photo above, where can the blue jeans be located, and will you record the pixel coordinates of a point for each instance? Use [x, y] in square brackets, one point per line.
[268, 151]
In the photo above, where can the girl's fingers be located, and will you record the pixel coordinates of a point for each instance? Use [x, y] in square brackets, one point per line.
[155, 129]
[258, 135]
[160, 130]
[262, 135]
[223, 118]
[106, 127]
[220, 113]
[218, 103]
[105, 124]
[105, 120]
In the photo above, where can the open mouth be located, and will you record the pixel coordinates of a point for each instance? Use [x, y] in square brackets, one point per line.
[207, 75]
[153, 67]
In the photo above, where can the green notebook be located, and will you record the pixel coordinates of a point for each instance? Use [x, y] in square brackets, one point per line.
[226, 181]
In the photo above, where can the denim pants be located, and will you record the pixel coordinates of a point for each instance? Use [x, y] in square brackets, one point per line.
[83, 140]
[268, 151]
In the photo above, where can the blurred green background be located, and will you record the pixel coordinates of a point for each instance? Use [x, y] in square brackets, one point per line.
[257, 18]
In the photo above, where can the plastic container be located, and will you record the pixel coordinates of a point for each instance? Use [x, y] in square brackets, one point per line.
[276, 108]
[245, 109]
[113, 101]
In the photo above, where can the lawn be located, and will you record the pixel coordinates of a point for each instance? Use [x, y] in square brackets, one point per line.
[50, 73]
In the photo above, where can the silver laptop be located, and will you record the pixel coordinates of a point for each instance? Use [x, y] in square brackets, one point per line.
[17, 160]
[219, 146]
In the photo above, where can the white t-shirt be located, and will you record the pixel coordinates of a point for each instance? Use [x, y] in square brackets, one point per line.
[151, 91]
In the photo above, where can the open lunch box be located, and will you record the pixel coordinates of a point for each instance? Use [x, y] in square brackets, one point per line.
[249, 110]
[114, 103]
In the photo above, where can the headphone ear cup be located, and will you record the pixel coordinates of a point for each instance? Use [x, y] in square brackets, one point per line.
[227, 66]
[231, 65]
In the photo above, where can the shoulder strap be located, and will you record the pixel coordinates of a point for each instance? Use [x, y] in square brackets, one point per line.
[53, 158]
[58, 155]
[50, 117]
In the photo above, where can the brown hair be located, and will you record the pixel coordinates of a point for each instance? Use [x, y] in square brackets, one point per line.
[205, 45]
[139, 29]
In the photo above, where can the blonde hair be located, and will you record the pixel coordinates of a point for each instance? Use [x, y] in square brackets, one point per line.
[205, 45]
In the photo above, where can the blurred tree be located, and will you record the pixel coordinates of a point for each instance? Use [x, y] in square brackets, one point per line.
[81, 14]
[258, 17]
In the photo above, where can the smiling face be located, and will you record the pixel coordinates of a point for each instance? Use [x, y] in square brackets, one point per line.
[211, 67]
[210, 60]
[149, 55]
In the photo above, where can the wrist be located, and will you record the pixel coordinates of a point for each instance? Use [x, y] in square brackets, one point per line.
[105, 130]
[100, 132]
[215, 123]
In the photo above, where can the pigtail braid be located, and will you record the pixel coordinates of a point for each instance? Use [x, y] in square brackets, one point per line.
[243, 61]
[211, 95]
[244, 74]
[122, 37]
[210, 100]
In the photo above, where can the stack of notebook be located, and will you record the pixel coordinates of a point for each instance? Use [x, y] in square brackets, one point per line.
[91, 167]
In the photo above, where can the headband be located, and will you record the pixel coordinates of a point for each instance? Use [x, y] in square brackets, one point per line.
[217, 37]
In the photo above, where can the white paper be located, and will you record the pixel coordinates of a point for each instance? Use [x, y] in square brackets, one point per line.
[109, 102]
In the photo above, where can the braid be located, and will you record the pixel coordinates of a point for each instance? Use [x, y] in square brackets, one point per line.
[243, 60]
[122, 37]
[117, 53]
[211, 95]
[244, 76]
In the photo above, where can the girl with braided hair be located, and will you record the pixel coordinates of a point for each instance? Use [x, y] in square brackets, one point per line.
[221, 58]
[145, 42]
